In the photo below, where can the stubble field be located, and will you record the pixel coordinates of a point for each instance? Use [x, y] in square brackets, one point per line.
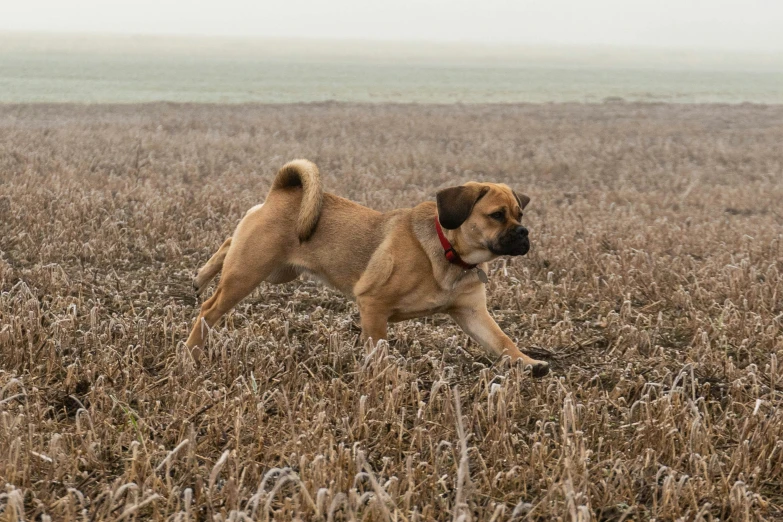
[654, 286]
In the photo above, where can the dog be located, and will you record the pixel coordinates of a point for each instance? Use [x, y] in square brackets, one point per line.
[397, 265]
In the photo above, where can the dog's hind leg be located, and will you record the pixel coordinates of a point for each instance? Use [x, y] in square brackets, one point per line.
[233, 287]
[257, 254]
[211, 268]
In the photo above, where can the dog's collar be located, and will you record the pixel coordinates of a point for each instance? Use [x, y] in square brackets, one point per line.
[448, 250]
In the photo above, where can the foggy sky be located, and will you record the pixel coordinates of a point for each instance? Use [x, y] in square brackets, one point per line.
[739, 25]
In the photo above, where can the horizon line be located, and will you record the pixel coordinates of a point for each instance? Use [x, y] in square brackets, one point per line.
[477, 44]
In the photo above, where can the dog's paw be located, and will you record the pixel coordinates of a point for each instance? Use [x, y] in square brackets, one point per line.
[539, 368]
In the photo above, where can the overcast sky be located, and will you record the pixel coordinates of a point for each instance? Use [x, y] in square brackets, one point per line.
[739, 25]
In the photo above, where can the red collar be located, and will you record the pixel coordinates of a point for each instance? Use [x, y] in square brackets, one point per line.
[451, 254]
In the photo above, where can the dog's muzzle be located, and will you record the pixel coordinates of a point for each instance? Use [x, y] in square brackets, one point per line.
[514, 242]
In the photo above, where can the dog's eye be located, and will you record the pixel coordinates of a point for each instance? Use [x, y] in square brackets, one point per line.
[499, 215]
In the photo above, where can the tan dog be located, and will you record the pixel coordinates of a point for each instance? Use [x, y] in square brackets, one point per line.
[397, 265]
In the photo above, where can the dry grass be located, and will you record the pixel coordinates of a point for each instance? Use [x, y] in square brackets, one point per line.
[654, 286]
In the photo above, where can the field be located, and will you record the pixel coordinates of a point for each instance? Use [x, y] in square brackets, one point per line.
[654, 286]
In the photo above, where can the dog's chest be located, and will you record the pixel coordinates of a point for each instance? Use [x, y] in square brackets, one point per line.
[427, 300]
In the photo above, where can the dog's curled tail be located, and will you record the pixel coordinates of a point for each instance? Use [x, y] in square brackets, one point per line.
[303, 173]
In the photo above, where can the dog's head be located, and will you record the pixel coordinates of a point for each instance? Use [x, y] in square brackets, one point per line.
[488, 218]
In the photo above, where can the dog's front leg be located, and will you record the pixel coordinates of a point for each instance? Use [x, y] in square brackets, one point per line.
[482, 328]
[374, 322]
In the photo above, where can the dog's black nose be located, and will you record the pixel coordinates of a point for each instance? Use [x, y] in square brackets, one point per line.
[521, 231]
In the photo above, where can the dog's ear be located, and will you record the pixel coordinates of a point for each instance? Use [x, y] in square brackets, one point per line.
[456, 203]
[521, 199]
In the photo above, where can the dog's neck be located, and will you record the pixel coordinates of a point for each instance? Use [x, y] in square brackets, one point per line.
[467, 256]
[476, 257]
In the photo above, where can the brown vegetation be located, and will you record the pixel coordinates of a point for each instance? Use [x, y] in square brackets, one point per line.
[654, 286]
